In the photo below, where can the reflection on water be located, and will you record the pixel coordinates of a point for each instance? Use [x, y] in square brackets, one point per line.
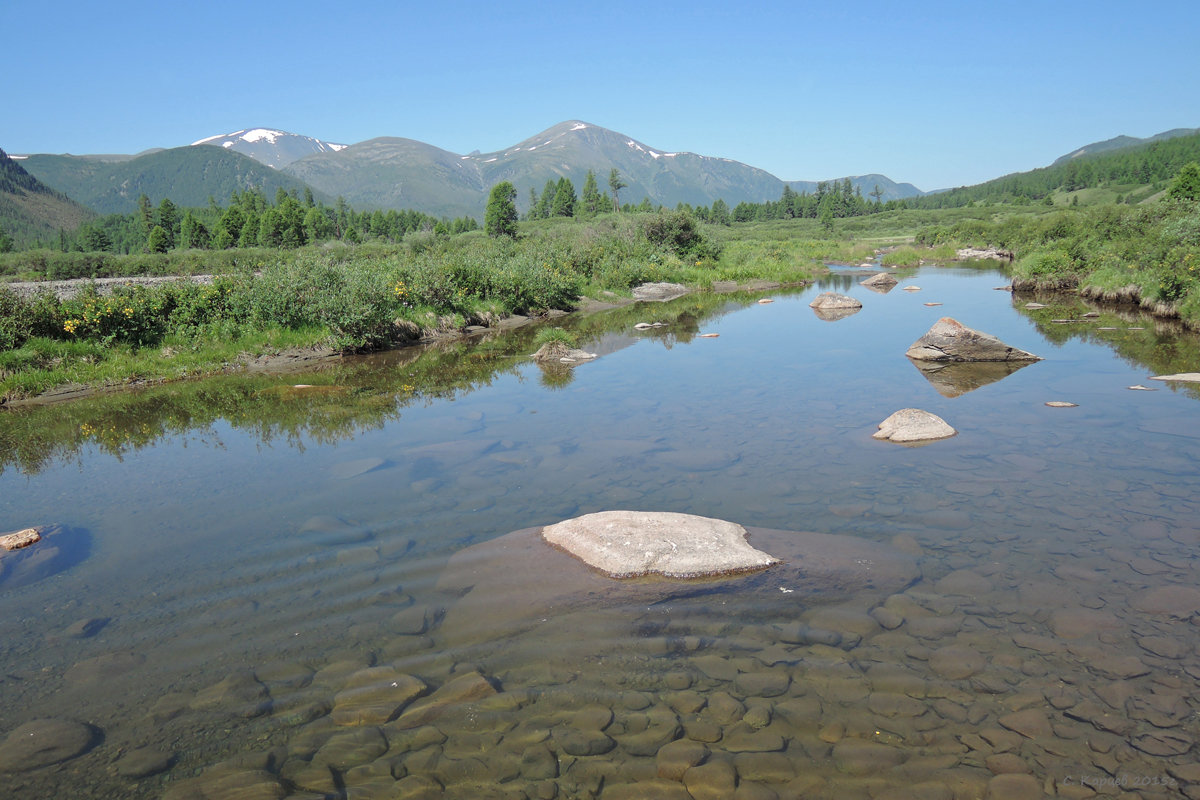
[271, 605]
[953, 378]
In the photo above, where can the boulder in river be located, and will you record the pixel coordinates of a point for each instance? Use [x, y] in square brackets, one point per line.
[912, 426]
[630, 544]
[833, 300]
[950, 340]
[1182, 377]
[831, 306]
[882, 282]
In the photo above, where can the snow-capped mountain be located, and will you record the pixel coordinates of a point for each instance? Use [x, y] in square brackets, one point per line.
[271, 147]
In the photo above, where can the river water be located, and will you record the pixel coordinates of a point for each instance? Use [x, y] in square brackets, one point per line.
[250, 589]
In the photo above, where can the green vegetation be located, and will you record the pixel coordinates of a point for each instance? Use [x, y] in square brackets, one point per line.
[554, 336]
[1131, 174]
[500, 217]
[1149, 253]
[296, 273]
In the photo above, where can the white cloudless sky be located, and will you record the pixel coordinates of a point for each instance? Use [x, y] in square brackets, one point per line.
[935, 93]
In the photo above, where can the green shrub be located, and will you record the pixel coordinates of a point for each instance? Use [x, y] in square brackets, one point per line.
[16, 324]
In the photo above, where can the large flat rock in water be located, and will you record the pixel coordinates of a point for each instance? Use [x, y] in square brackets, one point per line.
[950, 340]
[514, 582]
[632, 544]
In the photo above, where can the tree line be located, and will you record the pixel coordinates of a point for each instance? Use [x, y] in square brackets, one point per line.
[250, 220]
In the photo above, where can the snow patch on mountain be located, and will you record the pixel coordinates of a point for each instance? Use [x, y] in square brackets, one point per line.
[271, 146]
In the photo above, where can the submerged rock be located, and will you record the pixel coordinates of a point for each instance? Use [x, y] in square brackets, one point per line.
[950, 340]
[629, 544]
[43, 742]
[912, 425]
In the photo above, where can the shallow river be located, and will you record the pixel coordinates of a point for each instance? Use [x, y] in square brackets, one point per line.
[255, 590]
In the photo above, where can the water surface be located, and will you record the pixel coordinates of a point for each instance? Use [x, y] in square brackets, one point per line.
[239, 553]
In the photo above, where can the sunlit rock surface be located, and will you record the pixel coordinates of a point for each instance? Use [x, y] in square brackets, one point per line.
[950, 340]
[631, 544]
[912, 425]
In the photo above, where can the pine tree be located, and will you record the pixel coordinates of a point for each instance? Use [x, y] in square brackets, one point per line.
[6, 242]
[564, 198]
[590, 201]
[546, 201]
[500, 217]
[615, 184]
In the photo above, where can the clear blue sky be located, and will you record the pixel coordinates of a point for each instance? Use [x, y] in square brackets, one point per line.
[934, 93]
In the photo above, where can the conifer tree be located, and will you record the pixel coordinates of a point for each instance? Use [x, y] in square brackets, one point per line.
[616, 185]
[500, 217]
[564, 198]
[590, 201]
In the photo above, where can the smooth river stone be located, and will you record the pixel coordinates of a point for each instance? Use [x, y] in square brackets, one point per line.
[1176, 601]
[913, 425]
[42, 742]
[374, 695]
[860, 757]
[955, 662]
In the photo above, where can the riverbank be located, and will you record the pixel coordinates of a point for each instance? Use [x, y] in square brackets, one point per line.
[128, 369]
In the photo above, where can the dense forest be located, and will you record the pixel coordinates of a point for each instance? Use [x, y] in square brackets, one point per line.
[1151, 164]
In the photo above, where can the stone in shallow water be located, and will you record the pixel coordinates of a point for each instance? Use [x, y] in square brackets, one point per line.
[42, 742]
[950, 340]
[627, 544]
[538, 582]
[860, 757]
[352, 469]
[465, 688]
[1030, 723]
[143, 762]
[1177, 601]
[23, 538]
[834, 301]
[913, 425]
[1014, 787]
[955, 662]
[374, 695]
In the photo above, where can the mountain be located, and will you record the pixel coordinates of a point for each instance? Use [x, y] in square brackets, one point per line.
[389, 172]
[189, 176]
[271, 147]
[403, 173]
[1121, 142]
[30, 211]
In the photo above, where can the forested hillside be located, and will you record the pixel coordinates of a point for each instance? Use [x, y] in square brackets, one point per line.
[1137, 172]
[31, 212]
[188, 176]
